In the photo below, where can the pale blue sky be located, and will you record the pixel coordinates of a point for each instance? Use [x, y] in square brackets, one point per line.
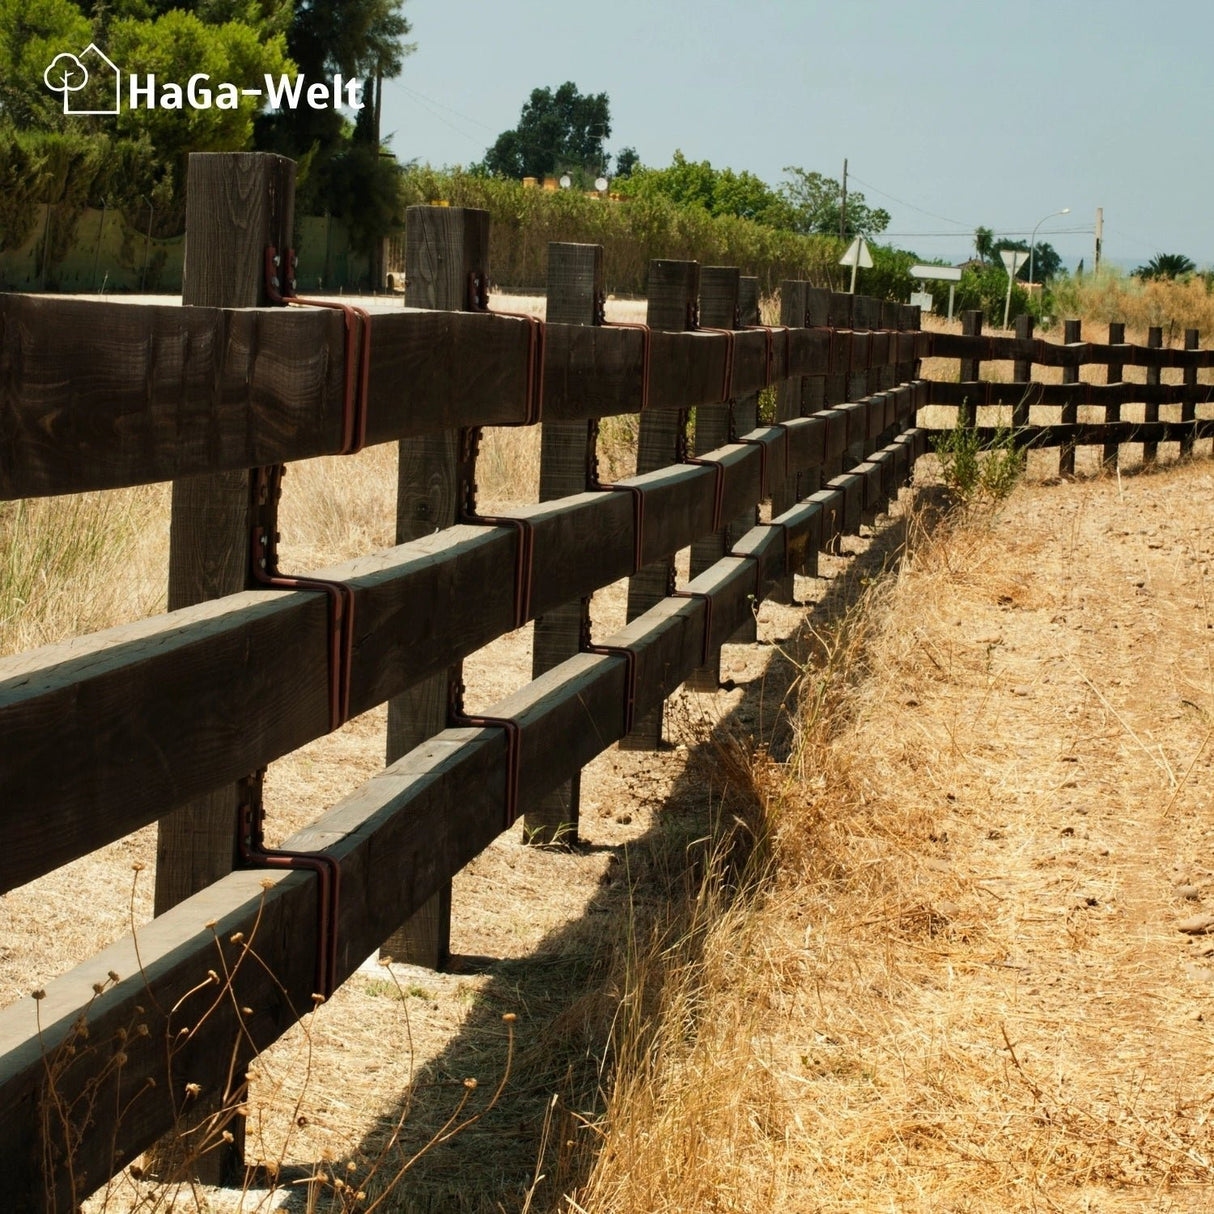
[972, 111]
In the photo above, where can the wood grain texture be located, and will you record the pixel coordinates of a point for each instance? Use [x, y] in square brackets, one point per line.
[1150, 409]
[444, 246]
[1072, 334]
[746, 418]
[236, 205]
[1188, 407]
[719, 308]
[567, 453]
[673, 289]
[1112, 410]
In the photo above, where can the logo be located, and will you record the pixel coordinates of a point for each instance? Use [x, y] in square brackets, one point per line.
[70, 74]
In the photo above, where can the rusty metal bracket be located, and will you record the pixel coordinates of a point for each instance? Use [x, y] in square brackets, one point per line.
[466, 512]
[600, 318]
[771, 331]
[478, 301]
[456, 717]
[280, 289]
[586, 645]
[753, 556]
[263, 565]
[253, 853]
[758, 442]
[706, 598]
[718, 491]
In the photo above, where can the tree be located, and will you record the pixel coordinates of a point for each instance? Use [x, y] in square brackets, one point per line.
[343, 171]
[718, 191]
[984, 244]
[1166, 265]
[816, 202]
[627, 161]
[559, 131]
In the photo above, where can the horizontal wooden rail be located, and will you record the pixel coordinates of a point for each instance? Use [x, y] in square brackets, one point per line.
[1095, 434]
[1053, 354]
[105, 395]
[420, 821]
[196, 698]
[984, 392]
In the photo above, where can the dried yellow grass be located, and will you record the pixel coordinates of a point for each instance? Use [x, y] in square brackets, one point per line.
[964, 990]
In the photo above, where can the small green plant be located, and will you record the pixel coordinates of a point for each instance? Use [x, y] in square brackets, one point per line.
[976, 472]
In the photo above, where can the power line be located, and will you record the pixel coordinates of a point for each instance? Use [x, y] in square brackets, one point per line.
[902, 202]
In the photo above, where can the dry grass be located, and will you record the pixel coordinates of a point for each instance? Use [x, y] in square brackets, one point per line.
[964, 990]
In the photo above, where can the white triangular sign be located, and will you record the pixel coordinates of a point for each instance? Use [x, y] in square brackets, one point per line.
[857, 255]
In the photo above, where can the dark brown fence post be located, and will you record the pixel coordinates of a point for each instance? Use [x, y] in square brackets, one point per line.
[1112, 411]
[1150, 410]
[971, 368]
[794, 295]
[1022, 372]
[237, 204]
[1072, 331]
[674, 287]
[575, 284]
[444, 247]
[745, 419]
[1188, 407]
[719, 287]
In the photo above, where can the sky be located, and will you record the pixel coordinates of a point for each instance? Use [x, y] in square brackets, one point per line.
[951, 113]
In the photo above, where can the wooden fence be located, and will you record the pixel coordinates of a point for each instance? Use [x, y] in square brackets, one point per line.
[169, 719]
[1064, 430]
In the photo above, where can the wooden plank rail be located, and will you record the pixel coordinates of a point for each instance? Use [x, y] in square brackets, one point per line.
[107, 395]
[1054, 354]
[195, 698]
[985, 392]
[419, 821]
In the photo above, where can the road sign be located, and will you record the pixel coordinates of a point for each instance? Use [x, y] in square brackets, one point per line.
[1013, 259]
[857, 255]
[937, 273]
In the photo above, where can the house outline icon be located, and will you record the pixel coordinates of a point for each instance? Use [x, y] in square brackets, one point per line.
[95, 71]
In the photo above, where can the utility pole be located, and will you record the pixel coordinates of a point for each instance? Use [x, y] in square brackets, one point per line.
[843, 205]
[1099, 238]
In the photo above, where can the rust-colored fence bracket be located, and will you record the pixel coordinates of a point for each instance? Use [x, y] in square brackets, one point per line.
[718, 492]
[263, 562]
[253, 853]
[457, 717]
[600, 319]
[706, 598]
[758, 442]
[586, 645]
[478, 301]
[466, 512]
[280, 289]
[771, 330]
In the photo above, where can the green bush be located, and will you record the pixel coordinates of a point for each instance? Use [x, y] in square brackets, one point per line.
[976, 474]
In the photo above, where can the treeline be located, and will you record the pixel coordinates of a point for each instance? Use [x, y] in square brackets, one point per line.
[637, 230]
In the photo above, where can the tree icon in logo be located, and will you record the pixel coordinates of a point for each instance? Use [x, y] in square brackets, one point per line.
[66, 74]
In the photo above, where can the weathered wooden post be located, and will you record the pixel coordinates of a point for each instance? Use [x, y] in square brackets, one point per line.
[1150, 409]
[719, 293]
[971, 368]
[1072, 331]
[444, 248]
[746, 418]
[1188, 407]
[794, 313]
[575, 284]
[1022, 372]
[673, 289]
[1112, 411]
[237, 204]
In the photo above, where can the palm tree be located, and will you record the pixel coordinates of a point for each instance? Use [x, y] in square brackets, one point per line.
[1166, 265]
[984, 244]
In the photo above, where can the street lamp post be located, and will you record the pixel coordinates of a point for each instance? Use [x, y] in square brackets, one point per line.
[1033, 241]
